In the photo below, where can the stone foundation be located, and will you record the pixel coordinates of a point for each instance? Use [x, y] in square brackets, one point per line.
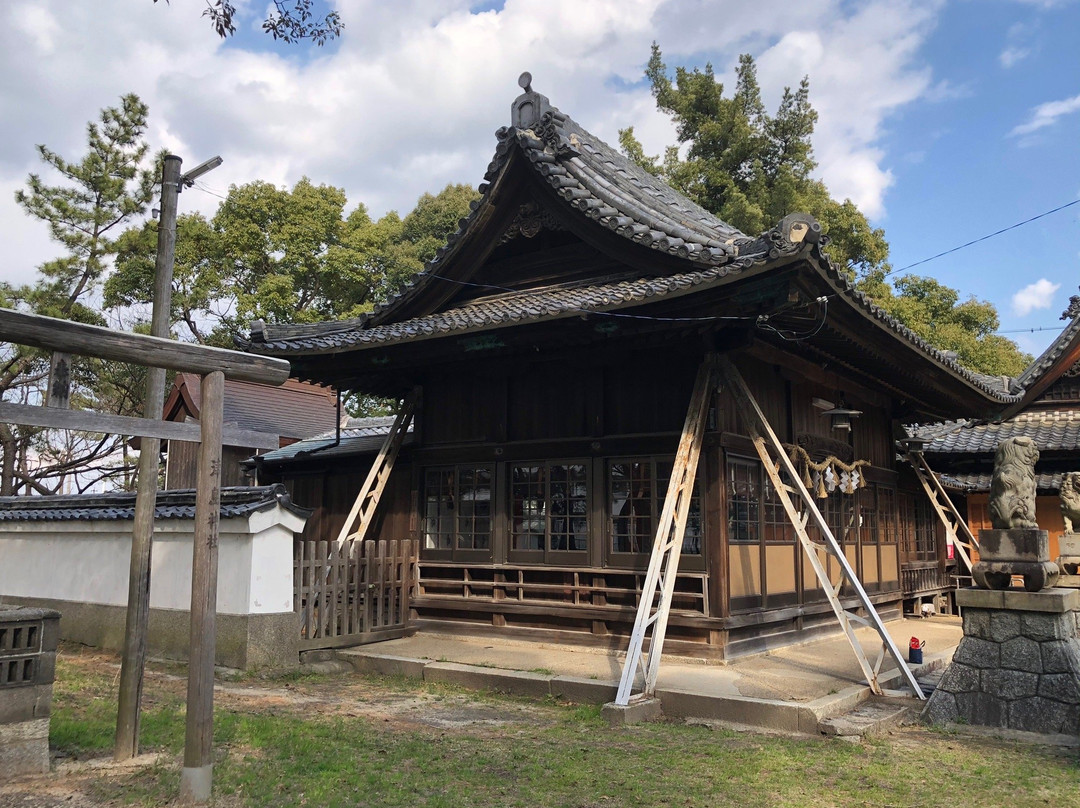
[1018, 666]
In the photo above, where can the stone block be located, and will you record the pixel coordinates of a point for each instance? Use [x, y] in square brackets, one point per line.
[1042, 627]
[1014, 544]
[384, 664]
[977, 623]
[46, 668]
[1009, 685]
[1069, 544]
[1004, 626]
[1060, 656]
[1021, 654]
[1055, 600]
[960, 678]
[940, 709]
[982, 709]
[634, 713]
[1049, 600]
[518, 683]
[771, 714]
[25, 703]
[1037, 714]
[978, 653]
[583, 691]
[24, 748]
[1064, 687]
[975, 598]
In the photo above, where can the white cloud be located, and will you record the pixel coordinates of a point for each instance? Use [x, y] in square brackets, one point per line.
[409, 98]
[1038, 295]
[1047, 114]
[1013, 55]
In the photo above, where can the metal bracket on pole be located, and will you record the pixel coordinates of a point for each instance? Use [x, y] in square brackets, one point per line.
[765, 439]
[659, 584]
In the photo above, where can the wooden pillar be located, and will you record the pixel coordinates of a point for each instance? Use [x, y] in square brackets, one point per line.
[197, 774]
[142, 532]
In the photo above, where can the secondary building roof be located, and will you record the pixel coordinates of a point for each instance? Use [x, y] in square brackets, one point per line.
[359, 437]
[178, 504]
[292, 411]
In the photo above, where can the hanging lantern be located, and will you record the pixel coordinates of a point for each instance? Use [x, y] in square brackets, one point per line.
[842, 416]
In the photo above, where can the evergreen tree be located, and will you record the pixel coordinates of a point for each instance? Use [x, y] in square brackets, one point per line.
[752, 169]
[281, 255]
[97, 196]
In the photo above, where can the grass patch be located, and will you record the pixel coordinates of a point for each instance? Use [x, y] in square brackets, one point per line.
[361, 752]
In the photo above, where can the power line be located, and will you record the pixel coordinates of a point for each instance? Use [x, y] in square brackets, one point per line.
[983, 238]
[1031, 330]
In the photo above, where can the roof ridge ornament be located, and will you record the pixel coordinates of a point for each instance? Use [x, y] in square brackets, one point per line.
[529, 107]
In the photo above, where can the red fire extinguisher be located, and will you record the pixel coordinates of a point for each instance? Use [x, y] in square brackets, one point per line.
[915, 648]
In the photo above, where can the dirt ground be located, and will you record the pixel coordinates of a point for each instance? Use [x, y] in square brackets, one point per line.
[67, 785]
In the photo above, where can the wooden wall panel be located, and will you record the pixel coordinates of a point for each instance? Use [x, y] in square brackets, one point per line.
[870, 574]
[180, 467]
[890, 564]
[651, 395]
[779, 568]
[547, 401]
[462, 409]
[744, 565]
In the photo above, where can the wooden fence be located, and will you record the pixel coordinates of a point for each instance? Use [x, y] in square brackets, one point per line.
[353, 593]
[922, 578]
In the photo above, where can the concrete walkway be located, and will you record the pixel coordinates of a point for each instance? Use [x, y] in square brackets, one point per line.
[790, 689]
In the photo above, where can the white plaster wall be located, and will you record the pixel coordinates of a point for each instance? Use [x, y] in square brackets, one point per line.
[88, 562]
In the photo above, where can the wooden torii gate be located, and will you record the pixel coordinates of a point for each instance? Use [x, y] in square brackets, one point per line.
[214, 365]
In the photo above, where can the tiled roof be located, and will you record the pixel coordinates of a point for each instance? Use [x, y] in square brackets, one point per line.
[980, 481]
[361, 436]
[535, 305]
[1050, 429]
[177, 504]
[603, 185]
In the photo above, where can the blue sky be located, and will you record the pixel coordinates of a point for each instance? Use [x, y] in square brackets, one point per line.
[960, 172]
[944, 120]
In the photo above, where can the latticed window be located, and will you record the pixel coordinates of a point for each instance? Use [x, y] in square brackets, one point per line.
[744, 494]
[637, 489]
[550, 507]
[925, 531]
[869, 527]
[886, 500]
[841, 516]
[457, 508]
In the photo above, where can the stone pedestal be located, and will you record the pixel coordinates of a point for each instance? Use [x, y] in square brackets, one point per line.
[1018, 665]
[1015, 551]
[1069, 553]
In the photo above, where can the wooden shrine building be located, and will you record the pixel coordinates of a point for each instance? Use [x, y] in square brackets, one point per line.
[556, 339]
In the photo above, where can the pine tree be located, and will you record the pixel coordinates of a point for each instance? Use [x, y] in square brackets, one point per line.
[99, 194]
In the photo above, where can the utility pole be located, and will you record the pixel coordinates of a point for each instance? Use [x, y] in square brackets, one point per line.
[138, 608]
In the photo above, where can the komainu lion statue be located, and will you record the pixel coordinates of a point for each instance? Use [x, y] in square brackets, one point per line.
[1012, 490]
[1070, 501]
